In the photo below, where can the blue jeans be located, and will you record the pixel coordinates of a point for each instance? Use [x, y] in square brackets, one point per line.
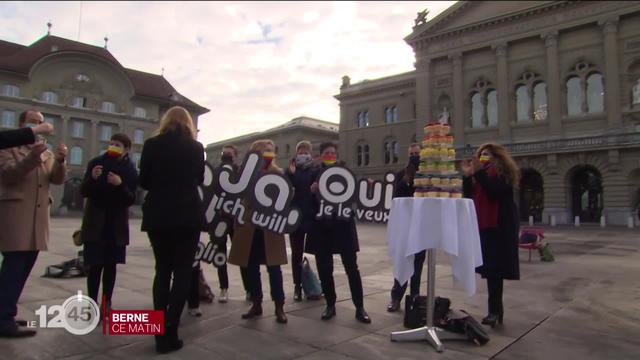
[15, 270]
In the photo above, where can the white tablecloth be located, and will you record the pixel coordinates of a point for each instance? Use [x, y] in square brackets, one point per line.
[416, 224]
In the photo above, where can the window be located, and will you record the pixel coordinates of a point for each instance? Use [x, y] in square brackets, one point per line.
[396, 151]
[105, 133]
[387, 152]
[79, 102]
[523, 103]
[391, 152]
[366, 155]
[391, 114]
[595, 93]
[362, 119]
[585, 90]
[135, 158]
[540, 102]
[77, 130]
[492, 108]
[75, 155]
[140, 112]
[575, 97]
[359, 157]
[477, 111]
[108, 106]
[10, 90]
[138, 136]
[8, 119]
[50, 97]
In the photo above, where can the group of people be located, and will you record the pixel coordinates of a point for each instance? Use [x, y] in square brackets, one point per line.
[171, 169]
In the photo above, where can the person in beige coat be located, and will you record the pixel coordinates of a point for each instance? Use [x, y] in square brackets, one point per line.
[25, 175]
[251, 247]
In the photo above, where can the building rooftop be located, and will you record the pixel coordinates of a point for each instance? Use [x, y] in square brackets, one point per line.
[19, 59]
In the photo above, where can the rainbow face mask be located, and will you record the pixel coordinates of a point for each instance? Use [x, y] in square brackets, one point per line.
[268, 157]
[484, 159]
[329, 159]
[114, 151]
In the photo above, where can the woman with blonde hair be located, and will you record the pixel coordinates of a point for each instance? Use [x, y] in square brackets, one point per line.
[251, 247]
[171, 168]
[489, 179]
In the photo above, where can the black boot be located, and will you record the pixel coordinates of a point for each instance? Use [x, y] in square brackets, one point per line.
[255, 310]
[297, 293]
[329, 312]
[362, 315]
[491, 320]
[281, 317]
[393, 306]
[169, 341]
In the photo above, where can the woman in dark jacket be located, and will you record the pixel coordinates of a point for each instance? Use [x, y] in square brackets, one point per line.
[171, 168]
[301, 173]
[489, 179]
[335, 236]
[109, 185]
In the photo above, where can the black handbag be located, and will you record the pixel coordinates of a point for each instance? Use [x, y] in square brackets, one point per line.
[415, 311]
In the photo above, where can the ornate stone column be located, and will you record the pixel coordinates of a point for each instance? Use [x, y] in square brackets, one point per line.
[554, 85]
[458, 99]
[504, 128]
[423, 95]
[611, 71]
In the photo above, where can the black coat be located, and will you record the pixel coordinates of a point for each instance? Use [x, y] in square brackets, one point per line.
[499, 245]
[108, 205]
[332, 236]
[302, 197]
[171, 168]
[402, 188]
[17, 137]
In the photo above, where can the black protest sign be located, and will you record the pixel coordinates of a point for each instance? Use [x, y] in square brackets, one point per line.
[339, 193]
[268, 194]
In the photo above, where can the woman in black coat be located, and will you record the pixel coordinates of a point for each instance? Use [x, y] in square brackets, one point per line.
[109, 185]
[171, 169]
[489, 179]
[335, 236]
[300, 173]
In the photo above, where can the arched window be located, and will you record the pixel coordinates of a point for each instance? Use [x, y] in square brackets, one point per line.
[575, 97]
[477, 111]
[523, 103]
[395, 114]
[50, 97]
[387, 152]
[362, 119]
[388, 115]
[396, 151]
[492, 108]
[540, 102]
[595, 93]
[585, 90]
[75, 155]
[366, 155]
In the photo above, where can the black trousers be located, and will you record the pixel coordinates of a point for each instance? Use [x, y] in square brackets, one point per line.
[494, 287]
[296, 240]
[174, 250]
[15, 270]
[397, 292]
[108, 274]
[257, 256]
[194, 291]
[223, 274]
[324, 262]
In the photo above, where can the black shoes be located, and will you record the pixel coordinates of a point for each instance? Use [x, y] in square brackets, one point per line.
[328, 313]
[17, 332]
[281, 317]
[255, 310]
[362, 316]
[393, 306]
[297, 293]
[168, 342]
[492, 319]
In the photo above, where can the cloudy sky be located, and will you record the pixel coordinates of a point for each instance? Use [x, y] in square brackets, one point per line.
[254, 64]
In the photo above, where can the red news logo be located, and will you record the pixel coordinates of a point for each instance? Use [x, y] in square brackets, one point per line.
[134, 322]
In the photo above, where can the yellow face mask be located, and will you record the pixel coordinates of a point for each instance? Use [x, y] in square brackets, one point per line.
[484, 159]
[114, 151]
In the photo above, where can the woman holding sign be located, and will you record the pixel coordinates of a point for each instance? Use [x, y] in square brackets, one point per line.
[171, 169]
[489, 179]
[335, 236]
[251, 247]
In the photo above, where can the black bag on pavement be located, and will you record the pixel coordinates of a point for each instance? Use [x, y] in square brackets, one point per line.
[415, 310]
[463, 323]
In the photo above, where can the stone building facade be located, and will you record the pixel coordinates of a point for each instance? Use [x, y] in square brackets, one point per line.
[557, 82]
[88, 96]
[285, 136]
